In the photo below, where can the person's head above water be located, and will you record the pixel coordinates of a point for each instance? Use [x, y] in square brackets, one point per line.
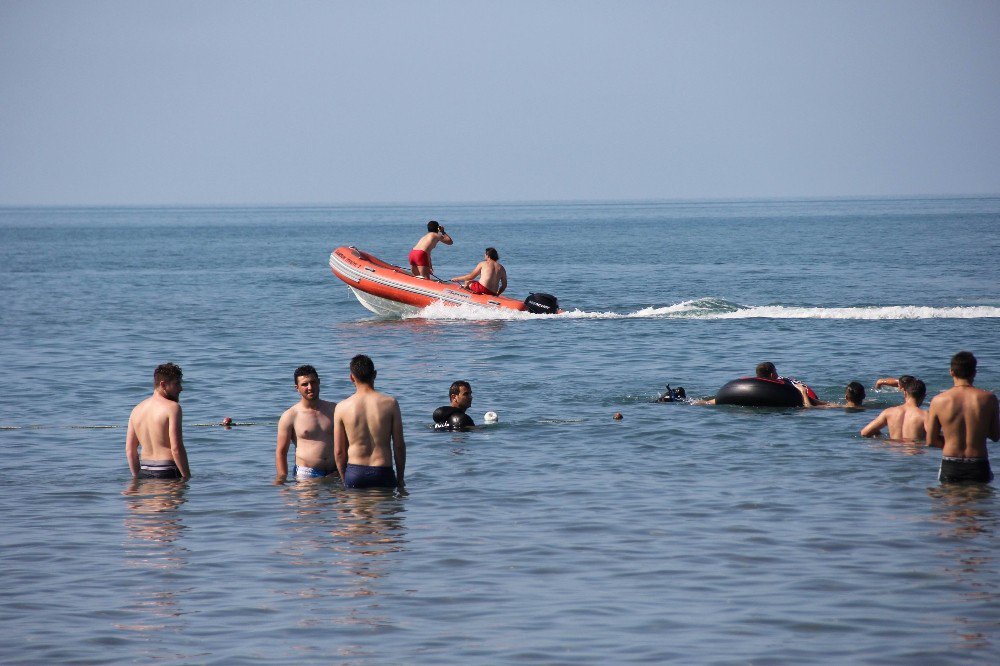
[855, 393]
[963, 366]
[167, 380]
[917, 390]
[363, 370]
[766, 370]
[433, 226]
[460, 394]
[304, 371]
[167, 372]
[492, 253]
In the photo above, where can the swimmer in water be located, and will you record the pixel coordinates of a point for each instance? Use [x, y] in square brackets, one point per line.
[766, 370]
[960, 421]
[155, 427]
[420, 255]
[893, 382]
[309, 425]
[906, 422]
[854, 396]
[368, 433]
[453, 416]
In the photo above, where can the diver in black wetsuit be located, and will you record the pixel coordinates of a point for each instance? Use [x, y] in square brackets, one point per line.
[453, 416]
[673, 395]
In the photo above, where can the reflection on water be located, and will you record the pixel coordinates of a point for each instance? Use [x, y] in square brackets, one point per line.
[153, 528]
[338, 541]
[967, 518]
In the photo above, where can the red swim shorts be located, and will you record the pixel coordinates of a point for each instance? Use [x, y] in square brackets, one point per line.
[476, 288]
[420, 258]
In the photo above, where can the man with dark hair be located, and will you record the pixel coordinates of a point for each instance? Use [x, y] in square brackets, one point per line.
[959, 422]
[854, 395]
[766, 370]
[906, 422]
[309, 425]
[155, 426]
[453, 416]
[368, 433]
[488, 277]
[899, 383]
[420, 255]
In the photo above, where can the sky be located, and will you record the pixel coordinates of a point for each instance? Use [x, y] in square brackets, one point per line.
[271, 103]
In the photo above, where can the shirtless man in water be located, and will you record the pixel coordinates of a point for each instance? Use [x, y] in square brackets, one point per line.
[309, 424]
[488, 277]
[959, 422]
[420, 255]
[906, 422]
[368, 433]
[155, 426]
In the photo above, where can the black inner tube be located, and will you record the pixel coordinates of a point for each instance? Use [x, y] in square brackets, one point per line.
[757, 392]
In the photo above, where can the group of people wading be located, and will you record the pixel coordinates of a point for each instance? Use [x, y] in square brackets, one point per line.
[959, 420]
[361, 439]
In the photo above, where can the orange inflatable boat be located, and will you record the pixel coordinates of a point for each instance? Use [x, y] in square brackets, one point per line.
[390, 290]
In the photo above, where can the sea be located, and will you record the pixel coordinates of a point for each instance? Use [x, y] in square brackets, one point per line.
[559, 535]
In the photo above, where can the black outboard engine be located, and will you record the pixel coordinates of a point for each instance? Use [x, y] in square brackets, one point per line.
[541, 304]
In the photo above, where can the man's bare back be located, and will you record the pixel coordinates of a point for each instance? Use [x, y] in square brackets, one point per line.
[155, 426]
[309, 425]
[488, 273]
[429, 241]
[961, 419]
[368, 432]
[905, 423]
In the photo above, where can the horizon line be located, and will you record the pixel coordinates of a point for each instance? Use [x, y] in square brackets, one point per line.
[510, 202]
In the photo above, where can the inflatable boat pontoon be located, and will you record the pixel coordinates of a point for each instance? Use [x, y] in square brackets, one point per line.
[389, 290]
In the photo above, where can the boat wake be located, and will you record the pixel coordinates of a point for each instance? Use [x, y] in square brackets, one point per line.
[715, 308]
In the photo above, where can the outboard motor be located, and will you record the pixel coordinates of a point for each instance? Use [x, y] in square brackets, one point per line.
[541, 304]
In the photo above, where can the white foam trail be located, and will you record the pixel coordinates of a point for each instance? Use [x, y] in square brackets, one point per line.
[715, 308]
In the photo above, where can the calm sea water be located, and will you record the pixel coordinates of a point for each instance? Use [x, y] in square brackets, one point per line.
[692, 534]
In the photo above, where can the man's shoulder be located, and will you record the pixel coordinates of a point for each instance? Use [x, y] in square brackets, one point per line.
[327, 406]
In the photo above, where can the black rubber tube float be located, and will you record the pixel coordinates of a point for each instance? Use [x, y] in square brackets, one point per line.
[758, 392]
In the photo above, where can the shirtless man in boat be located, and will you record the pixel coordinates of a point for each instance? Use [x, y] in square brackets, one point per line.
[906, 422]
[488, 277]
[309, 425]
[420, 255]
[368, 433]
[155, 426]
[959, 422]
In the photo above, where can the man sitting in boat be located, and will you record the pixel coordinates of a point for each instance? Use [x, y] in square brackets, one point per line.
[488, 277]
[420, 255]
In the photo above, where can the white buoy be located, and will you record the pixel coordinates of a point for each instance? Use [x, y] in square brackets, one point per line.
[490, 417]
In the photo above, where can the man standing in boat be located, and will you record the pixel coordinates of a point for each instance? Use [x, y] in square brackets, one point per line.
[420, 255]
[488, 277]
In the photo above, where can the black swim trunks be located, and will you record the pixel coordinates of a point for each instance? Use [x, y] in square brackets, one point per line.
[158, 469]
[960, 470]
